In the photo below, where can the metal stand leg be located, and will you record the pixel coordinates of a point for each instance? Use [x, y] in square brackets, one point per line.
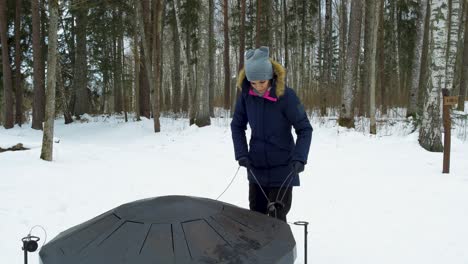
[305, 224]
[25, 253]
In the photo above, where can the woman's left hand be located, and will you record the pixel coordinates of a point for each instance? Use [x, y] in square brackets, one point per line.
[298, 166]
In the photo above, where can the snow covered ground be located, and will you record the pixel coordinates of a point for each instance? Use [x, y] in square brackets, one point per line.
[369, 199]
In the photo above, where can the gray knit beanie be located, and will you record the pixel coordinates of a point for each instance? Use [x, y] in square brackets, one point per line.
[257, 64]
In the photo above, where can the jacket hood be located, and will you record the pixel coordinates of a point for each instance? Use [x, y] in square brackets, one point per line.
[279, 74]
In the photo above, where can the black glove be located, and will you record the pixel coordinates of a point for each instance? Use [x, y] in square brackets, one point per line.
[297, 166]
[244, 162]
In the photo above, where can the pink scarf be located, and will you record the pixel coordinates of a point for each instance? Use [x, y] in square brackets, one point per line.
[266, 95]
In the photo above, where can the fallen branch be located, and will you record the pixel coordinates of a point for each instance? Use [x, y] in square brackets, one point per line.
[16, 147]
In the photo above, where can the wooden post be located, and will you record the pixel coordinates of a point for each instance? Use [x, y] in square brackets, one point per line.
[448, 102]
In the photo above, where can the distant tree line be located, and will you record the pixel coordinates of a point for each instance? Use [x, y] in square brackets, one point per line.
[349, 58]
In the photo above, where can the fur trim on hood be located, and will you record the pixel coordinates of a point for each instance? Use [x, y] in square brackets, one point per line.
[279, 75]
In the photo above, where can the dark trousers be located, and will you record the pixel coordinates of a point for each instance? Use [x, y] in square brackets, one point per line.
[259, 203]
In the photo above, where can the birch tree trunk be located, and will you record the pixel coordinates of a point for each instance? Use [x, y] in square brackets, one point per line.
[430, 133]
[48, 135]
[453, 24]
[464, 76]
[347, 114]
[416, 71]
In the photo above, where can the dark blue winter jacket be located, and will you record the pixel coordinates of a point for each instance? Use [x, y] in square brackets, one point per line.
[271, 148]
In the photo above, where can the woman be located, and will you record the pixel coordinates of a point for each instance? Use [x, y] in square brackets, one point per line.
[273, 160]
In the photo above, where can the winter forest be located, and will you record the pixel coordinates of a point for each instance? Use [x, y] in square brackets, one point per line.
[133, 99]
[345, 59]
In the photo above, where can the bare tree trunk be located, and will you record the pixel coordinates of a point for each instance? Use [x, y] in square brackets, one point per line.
[136, 83]
[459, 56]
[48, 135]
[39, 91]
[157, 62]
[368, 25]
[242, 36]
[258, 25]
[373, 68]
[381, 62]
[61, 92]
[117, 61]
[343, 33]
[124, 89]
[320, 47]
[145, 106]
[146, 43]
[327, 59]
[285, 22]
[347, 114]
[207, 70]
[145, 96]
[212, 54]
[18, 78]
[227, 70]
[188, 93]
[430, 134]
[396, 43]
[176, 79]
[464, 76]
[80, 79]
[7, 82]
[416, 71]
[302, 80]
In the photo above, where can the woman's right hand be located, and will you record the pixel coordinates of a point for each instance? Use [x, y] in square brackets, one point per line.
[244, 162]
